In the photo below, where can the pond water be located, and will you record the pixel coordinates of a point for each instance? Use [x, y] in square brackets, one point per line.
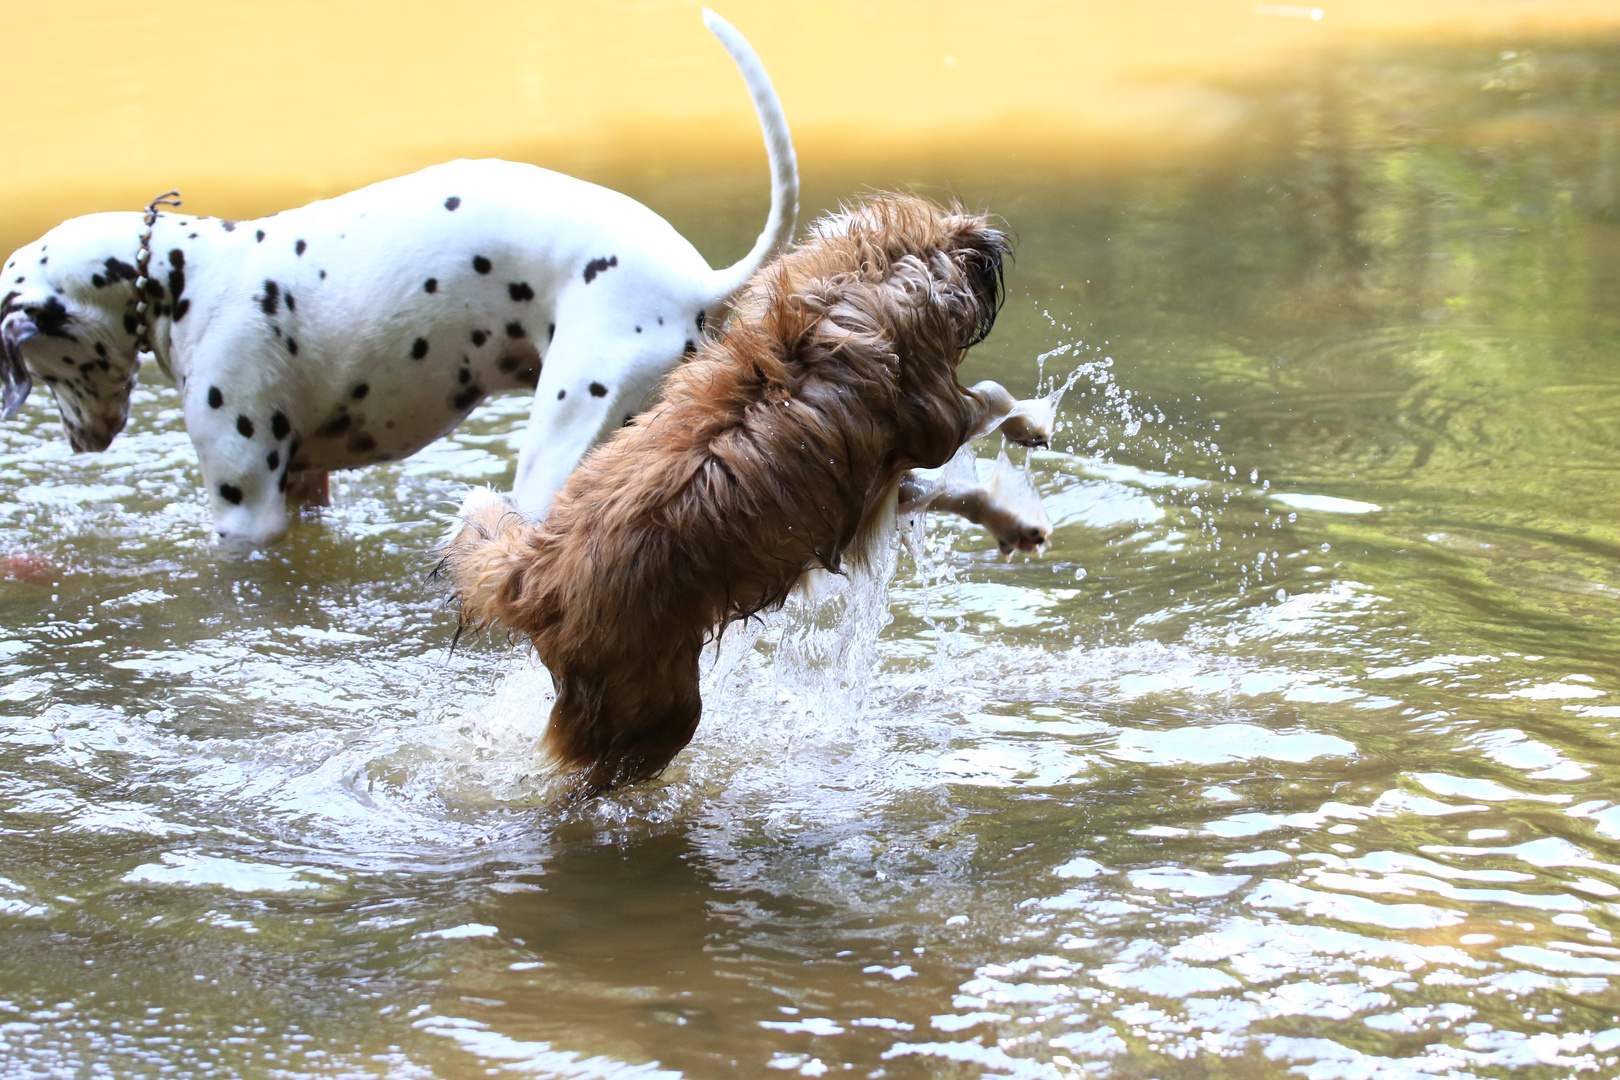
[1294, 754]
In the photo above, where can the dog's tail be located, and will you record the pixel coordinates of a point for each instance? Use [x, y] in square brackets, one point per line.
[484, 558]
[778, 147]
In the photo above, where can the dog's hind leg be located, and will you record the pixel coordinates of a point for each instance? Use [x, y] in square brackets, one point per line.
[312, 487]
[606, 360]
[622, 712]
[623, 720]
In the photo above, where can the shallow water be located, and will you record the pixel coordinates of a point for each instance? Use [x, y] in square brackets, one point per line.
[1292, 756]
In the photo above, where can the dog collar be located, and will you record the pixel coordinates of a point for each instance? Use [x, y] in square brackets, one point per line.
[143, 281]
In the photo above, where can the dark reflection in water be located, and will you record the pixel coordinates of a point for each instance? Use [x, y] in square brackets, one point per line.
[1293, 756]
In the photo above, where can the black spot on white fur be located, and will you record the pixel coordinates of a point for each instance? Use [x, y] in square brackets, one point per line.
[520, 291]
[514, 330]
[300, 247]
[278, 424]
[177, 274]
[272, 460]
[270, 300]
[215, 397]
[598, 390]
[452, 202]
[419, 348]
[231, 494]
[478, 338]
[431, 285]
[481, 264]
[51, 318]
[597, 265]
[244, 426]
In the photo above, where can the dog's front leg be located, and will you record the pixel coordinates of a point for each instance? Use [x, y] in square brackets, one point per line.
[1007, 506]
[245, 454]
[1028, 422]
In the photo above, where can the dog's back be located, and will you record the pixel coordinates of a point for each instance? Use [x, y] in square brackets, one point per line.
[773, 452]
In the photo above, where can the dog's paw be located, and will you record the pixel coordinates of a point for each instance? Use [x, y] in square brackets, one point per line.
[1007, 505]
[1031, 422]
[1024, 536]
[1014, 514]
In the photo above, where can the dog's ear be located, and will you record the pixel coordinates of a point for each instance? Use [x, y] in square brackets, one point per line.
[983, 263]
[15, 381]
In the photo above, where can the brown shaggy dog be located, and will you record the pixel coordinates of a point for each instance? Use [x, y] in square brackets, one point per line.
[778, 449]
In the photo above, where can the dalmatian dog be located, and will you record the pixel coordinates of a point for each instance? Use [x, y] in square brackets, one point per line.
[361, 328]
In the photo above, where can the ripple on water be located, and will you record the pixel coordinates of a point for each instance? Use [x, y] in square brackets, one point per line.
[1197, 785]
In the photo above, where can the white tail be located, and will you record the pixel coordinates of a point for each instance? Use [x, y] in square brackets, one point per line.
[784, 214]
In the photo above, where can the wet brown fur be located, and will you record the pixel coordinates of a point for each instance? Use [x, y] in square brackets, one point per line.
[776, 450]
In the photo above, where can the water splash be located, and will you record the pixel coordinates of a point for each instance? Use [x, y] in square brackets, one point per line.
[819, 651]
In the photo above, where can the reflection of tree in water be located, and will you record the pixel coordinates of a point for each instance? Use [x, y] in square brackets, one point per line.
[1333, 158]
[1391, 268]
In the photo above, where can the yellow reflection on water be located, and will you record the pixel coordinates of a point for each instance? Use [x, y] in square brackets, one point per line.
[252, 107]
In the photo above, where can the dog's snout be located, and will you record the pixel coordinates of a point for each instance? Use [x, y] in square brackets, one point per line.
[94, 434]
[88, 440]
